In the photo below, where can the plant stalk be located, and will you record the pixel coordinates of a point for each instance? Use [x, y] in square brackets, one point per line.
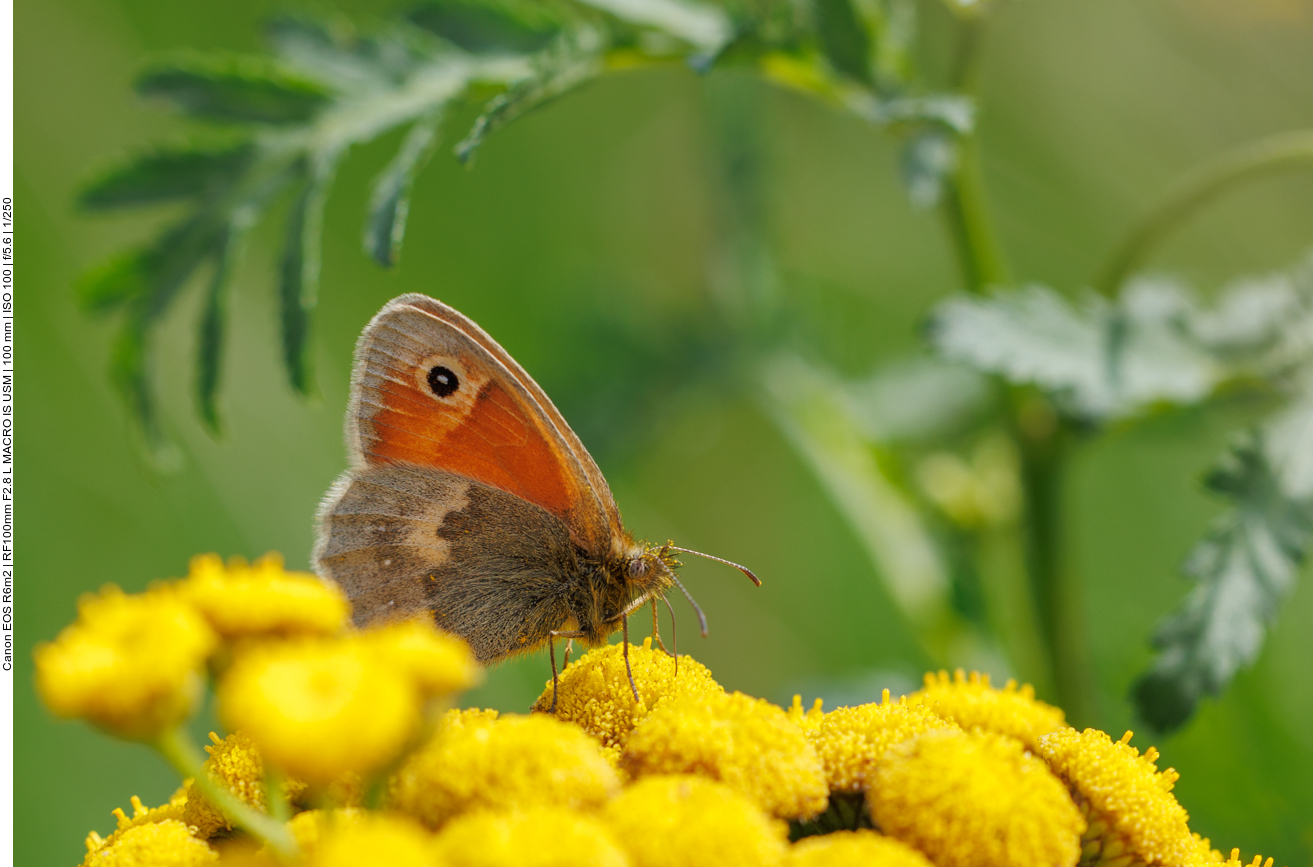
[189, 761]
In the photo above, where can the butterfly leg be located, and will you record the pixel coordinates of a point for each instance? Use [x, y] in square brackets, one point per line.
[656, 629]
[569, 645]
[674, 636]
[624, 637]
[551, 651]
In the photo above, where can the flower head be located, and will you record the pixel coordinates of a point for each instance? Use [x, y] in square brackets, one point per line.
[373, 838]
[167, 843]
[685, 821]
[235, 764]
[972, 703]
[130, 664]
[141, 815]
[850, 741]
[1128, 802]
[594, 690]
[533, 837]
[511, 762]
[437, 662]
[854, 849]
[310, 826]
[807, 720]
[747, 743]
[262, 598]
[975, 799]
[318, 709]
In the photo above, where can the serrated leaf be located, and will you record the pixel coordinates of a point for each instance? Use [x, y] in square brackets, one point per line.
[1100, 361]
[389, 205]
[1244, 567]
[562, 74]
[488, 26]
[929, 159]
[243, 89]
[130, 369]
[165, 175]
[148, 276]
[299, 285]
[210, 337]
[702, 26]
[844, 38]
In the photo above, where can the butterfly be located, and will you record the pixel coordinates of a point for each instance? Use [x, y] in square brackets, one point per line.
[469, 499]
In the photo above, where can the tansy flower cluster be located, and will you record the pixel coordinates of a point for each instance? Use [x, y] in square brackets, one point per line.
[343, 751]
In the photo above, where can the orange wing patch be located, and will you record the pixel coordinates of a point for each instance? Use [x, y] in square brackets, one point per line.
[494, 443]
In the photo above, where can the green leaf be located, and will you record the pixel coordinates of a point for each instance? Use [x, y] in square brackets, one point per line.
[928, 160]
[243, 89]
[1245, 565]
[702, 26]
[385, 228]
[149, 276]
[165, 175]
[130, 369]
[1099, 361]
[844, 38]
[573, 66]
[210, 339]
[299, 287]
[490, 25]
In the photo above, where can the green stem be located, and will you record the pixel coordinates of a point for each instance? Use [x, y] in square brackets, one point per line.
[188, 760]
[979, 254]
[1197, 188]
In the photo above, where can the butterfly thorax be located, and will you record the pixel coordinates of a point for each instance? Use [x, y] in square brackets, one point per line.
[613, 586]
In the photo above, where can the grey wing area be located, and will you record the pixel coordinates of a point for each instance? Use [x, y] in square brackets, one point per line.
[402, 540]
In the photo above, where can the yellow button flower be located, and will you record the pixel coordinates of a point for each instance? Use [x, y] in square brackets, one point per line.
[850, 741]
[972, 703]
[235, 764]
[747, 743]
[130, 664]
[1129, 804]
[533, 837]
[975, 799]
[319, 709]
[373, 838]
[141, 815]
[594, 690]
[513, 761]
[437, 662]
[168, 843]
[854, 849]
[311, 826]
[262, 598]
[807, 720]
[686, 821]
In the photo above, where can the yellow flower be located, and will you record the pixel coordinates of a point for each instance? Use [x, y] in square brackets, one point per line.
[533, 837]
[234, 763]
[318, 709]
[594, 690]
[437, 662]
[1204, 853]
[513, 761]
[141, 815]
[168, 843]
[373, 838]
[262, 598]
[975, 799]
[1129, 804]
[850, 741]
[467, 717]
[807, 720]
[972, 703]
[130, 664]
[686, 821]
[854, 849]
[1258, 860]
[747, 743]
[311, 826]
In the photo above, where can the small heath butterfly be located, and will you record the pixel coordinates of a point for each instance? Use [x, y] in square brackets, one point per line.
[470, 499]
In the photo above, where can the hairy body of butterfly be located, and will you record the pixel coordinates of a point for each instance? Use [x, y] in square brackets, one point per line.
[470, 500]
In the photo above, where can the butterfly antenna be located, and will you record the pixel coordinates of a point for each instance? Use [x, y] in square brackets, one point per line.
[702, 618]
[744, 569]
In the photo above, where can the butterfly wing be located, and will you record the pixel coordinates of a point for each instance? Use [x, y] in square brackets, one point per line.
[404, 540]
[432, 388]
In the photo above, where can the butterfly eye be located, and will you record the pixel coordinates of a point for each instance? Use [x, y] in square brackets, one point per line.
[637, 567]
[443, 381]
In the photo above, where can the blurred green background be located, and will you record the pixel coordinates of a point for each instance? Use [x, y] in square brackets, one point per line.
[606, 211]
